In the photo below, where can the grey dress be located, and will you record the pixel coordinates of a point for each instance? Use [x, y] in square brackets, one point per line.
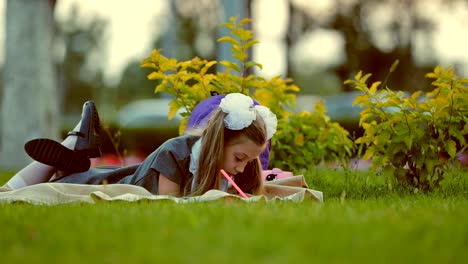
[172, 159]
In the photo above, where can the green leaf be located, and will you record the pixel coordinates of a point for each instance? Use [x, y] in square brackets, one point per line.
[360, 99]
[369, 153]
[374, 87]
[365, 78]
[245, 21]
[430, 164]
[416, 94]
[207, 66]
[173, 108]
[408, 141]
[156, 76]
[299, 140]
[162, 87]
[244, 35]
[357, 77]
[231, 65]
[451, 148]
[230, 26]
[148, 64]
[250, 43]
[228, 39]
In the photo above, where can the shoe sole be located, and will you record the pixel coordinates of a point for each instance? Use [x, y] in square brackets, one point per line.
[56, 155]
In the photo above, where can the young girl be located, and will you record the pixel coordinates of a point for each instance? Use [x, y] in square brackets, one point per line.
[203, 111]
[235, 135]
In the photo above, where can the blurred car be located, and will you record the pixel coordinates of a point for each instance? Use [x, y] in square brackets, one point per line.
[339, 108]
[144, 125]
[147, 113]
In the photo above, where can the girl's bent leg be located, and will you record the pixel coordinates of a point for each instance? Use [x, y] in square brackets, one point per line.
[34, 173]
[58, 157]
[37, 172]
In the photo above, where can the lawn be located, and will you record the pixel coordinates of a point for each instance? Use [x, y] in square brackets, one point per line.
[363, 219]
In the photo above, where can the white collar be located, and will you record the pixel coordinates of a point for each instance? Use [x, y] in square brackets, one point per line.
[194, 157]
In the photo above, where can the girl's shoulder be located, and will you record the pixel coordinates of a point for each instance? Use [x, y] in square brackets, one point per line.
[180, 143]
[178, 148]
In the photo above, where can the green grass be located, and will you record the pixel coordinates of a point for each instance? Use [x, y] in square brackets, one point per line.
[362, 220]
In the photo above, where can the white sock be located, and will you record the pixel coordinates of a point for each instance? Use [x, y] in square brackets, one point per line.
[16, 183]
[70, 141]
[34, 173]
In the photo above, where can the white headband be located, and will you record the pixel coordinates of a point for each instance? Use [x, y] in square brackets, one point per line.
[240, 113]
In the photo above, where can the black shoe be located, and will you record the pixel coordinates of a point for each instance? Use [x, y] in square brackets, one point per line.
[88, 142]
[52, 153]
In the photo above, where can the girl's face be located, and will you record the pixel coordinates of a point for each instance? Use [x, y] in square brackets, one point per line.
[238, 154]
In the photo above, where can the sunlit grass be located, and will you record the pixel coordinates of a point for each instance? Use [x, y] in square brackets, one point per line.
[362, 220]
[356, 184]
[407, 229]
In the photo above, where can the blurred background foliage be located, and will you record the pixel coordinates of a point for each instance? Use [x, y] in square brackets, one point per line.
[374, 34]
[196, 25]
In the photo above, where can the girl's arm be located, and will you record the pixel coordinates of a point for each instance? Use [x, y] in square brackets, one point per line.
[168, 187]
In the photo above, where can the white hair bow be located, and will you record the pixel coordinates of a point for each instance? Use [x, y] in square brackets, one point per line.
[240, 111]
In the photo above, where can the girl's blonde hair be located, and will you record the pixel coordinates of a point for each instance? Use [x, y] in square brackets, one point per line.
[214, 139]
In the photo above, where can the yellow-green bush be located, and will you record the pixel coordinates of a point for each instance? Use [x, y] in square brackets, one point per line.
[418, 137]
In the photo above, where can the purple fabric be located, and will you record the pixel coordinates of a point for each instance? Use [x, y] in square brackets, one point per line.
[202, 112]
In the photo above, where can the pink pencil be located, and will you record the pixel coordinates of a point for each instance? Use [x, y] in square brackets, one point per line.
[233, 184]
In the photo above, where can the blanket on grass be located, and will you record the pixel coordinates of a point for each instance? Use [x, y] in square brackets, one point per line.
[290, 189]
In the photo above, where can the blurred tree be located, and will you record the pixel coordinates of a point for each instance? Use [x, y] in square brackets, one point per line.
[81, 69]
[299, 21]
[188, 29]
[311, 80]
[363, 53]
[240, 9]
[1, 90]
[375, 33]
[29, 101]
[169, 43]
[133, 84]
